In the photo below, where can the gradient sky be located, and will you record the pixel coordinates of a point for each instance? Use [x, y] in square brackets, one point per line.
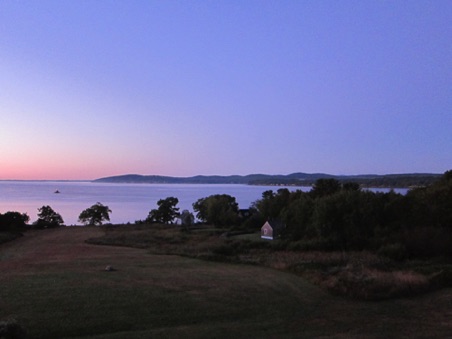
[97, 88]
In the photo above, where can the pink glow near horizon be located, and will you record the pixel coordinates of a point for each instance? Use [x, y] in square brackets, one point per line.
[93, 89]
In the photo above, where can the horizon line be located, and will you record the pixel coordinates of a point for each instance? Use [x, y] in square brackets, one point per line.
[222, 175]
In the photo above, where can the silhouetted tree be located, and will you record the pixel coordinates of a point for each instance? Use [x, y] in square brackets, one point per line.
[271, 205]
[324, 187]
[432, 205]
[95, 215]
[166, 211]
[13, 221]
[335, 216]
[218, 209]
[346, 220]
[351, 186]
[298, 216]
[47, 217]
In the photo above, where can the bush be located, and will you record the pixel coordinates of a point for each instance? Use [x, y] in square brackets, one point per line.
[13, 221]
[371, 284]
[393, 251]
[279, 245]
[254, 222]
[441, 279]
[315, 244]
[429, 242]
[224, 249]
[11, 329]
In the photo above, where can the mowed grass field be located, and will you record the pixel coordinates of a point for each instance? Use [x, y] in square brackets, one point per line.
[55, 286]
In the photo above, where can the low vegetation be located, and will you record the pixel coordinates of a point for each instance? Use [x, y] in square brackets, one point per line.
[350, 241]
[10, 328]
[55, 285]
[357, 274]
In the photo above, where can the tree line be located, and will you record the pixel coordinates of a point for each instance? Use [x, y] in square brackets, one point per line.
[334, 215]
[341, 216]
[13, 221]
[337, 215]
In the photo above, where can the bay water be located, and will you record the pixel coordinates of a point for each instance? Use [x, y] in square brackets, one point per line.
[128, 202]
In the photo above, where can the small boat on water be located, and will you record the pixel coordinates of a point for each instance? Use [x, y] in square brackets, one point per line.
[56, 192]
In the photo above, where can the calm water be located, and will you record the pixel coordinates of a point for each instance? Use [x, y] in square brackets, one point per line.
[128, 202]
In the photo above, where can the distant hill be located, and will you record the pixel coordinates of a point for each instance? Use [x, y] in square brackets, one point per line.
[294, 179]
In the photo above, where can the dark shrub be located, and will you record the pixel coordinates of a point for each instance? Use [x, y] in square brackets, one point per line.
[224, 249]
[11, 329]
[13, 221]
[429, 242]
[393, 251]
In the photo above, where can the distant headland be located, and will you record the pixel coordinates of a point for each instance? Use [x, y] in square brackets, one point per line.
[294, 179]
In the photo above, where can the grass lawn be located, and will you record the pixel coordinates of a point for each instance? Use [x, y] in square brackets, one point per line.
[55, 285]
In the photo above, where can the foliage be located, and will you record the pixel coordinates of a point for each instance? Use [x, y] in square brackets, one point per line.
[432, 204]
[393, 251]
[334, 215]
[342, 216]
[297, 215]
[13, 221]
[347, 218]
[324, 187]
[47, 217]
[219, 210]
[253, 222]
[389, 180]
[10, 328]
[294, 179]
[271, 204]
[351, 186]
[357, 274]
[166, 211]
[95, 215]
[187, 219]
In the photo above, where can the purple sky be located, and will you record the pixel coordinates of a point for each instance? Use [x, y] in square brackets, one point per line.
[97, 88]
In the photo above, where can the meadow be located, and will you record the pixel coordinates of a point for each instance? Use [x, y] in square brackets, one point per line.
[54, 285]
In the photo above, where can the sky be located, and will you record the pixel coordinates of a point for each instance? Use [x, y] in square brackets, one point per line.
[90, 89]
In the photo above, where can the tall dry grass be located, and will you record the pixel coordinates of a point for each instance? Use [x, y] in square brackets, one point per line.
[360, 274]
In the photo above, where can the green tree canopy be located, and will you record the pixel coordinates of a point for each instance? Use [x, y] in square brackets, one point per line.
[347, 219]
[351, 186]
[272, 205]
[324, 187]
[218, 209]
[95, 215]
[432, 205]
